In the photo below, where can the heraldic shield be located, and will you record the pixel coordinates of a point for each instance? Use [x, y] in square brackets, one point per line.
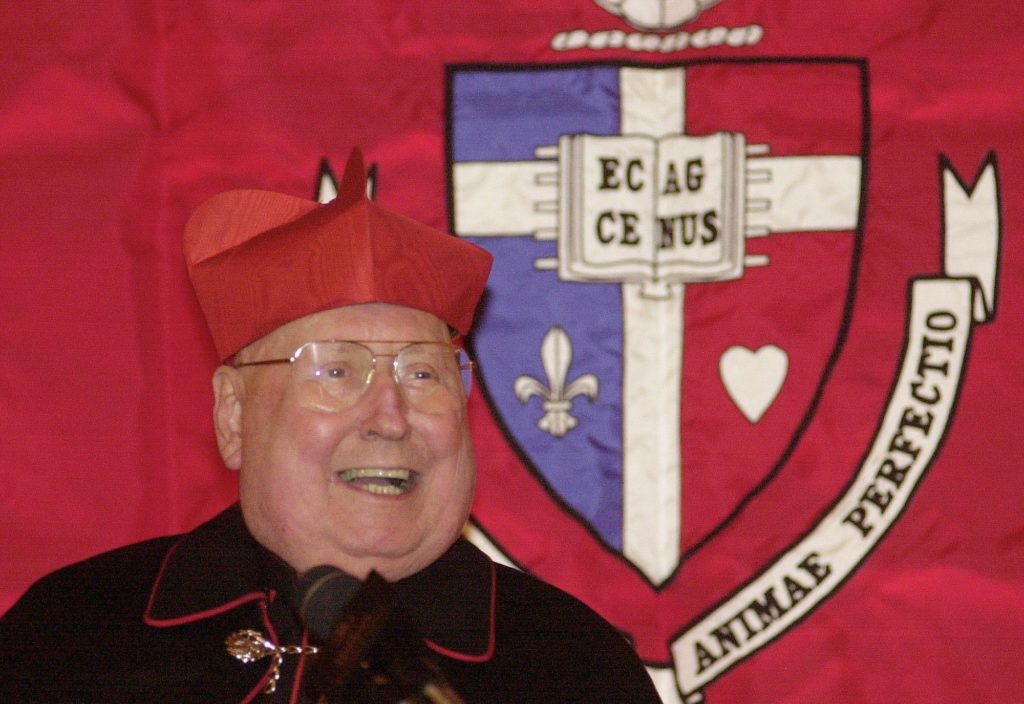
[657, 231]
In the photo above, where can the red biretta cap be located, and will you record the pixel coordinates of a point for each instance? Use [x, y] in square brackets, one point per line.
[258, 260]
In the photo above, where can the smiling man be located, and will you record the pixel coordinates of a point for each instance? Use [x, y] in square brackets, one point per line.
[339, 471]
[341, 403]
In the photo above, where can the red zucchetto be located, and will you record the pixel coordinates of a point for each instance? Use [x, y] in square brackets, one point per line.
[258, 260]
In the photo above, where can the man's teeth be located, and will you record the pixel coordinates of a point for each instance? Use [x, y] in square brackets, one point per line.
[389, 482]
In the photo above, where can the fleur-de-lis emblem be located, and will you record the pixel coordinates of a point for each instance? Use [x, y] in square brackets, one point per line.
[556, 356]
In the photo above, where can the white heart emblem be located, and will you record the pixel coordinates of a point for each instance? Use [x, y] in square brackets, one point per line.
[753, 379]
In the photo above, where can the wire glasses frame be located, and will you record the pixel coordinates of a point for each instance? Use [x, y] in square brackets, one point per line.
[332, 375]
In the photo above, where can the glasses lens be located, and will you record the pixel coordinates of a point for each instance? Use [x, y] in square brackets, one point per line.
[333, 374]
[430, 376]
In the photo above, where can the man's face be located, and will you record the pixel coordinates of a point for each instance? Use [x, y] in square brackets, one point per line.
[306, 485]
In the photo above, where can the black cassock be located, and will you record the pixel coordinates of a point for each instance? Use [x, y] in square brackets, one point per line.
[149, 623]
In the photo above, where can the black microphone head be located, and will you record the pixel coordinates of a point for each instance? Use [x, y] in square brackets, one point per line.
[321, 596]
[368, 650]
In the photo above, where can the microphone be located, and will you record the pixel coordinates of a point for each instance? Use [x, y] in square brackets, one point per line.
[367, 650]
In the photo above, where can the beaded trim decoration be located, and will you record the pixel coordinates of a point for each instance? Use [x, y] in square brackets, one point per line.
[249, 645]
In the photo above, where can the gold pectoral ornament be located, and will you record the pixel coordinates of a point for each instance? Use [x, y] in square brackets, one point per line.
[249, 645]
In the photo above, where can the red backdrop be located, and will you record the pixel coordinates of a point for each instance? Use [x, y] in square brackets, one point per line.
[116, 121]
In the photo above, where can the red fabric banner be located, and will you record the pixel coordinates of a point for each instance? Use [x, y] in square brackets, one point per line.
[747, 365]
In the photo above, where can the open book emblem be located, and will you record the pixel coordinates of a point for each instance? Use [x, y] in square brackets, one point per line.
[657, 211]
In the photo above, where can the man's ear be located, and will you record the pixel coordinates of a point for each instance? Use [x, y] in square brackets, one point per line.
[228, 392]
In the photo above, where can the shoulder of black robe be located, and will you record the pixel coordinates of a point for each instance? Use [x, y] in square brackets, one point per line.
[146, 623]
[505, 636]
[88, 632]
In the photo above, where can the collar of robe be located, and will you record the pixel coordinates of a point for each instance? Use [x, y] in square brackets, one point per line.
[219, 567]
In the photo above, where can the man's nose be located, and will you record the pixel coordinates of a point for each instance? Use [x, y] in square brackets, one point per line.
[384, 408]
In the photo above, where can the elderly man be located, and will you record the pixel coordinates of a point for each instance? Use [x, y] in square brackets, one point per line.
[341, 403]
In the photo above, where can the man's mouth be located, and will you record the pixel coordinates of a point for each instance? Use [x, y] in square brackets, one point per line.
[386, 482]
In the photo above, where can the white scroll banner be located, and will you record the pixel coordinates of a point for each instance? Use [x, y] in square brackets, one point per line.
[942, 313]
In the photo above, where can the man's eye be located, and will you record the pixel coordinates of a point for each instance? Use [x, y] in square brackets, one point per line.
[334, 372]
[419, 374]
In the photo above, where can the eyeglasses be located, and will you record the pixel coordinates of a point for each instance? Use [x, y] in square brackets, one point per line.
[332, 375]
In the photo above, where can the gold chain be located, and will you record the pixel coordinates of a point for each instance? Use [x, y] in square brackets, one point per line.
[249, 645]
